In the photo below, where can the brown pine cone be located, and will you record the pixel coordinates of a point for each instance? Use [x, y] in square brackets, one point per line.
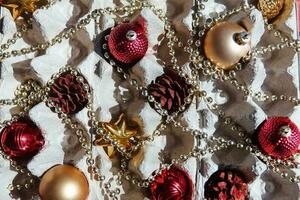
[68, 94]
[169, 90]
[226, 184]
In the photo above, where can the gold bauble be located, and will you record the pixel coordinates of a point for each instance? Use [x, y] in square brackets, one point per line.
[226, 43]
[64, 182]
[276, 11]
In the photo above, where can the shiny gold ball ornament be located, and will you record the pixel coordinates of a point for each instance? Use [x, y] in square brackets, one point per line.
[276, 11]
[226, 43]
[64, 182]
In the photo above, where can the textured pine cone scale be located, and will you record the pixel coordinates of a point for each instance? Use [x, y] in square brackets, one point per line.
[170, 90]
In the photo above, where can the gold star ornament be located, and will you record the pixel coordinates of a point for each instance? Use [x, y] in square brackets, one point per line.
[22, 8]
[120, 132]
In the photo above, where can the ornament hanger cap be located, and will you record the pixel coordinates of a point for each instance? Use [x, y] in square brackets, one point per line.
[285, 131]
[242, 38]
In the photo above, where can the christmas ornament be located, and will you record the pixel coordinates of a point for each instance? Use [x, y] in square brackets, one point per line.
[68, 93]
[276, 11]
[226, 184]
[119, 132]
[170, 90]
[128, 42]
[22, 139]
[64, 182]
[279, 137]
[226, 43]
[23, 8]
[172, 184]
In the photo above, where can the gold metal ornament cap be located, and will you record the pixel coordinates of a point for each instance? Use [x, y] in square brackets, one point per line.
[226, 43]
[276, 11]
[64, 182]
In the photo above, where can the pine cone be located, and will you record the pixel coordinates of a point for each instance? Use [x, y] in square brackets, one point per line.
[226, 184]
[169, 90]
[68, 94]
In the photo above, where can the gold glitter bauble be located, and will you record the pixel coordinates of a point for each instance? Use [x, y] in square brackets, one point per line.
[276, 11]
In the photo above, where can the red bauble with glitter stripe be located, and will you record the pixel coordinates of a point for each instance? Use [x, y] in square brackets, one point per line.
[172, 184]
[128, 42]
[279, 137]
[22, 139]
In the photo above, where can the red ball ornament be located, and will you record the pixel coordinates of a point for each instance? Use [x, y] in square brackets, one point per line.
[128, 42]
[279, 137]
[172, 184]
[226, 184]
[68, 93]
[22, 139]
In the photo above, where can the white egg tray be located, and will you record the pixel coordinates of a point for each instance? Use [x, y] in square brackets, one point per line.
[114, 97]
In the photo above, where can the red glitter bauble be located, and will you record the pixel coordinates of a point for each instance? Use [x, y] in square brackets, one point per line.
[68, 94]
[226, 184]
[22, 139]
[279, 137]
[128, 42]
[172, 184]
